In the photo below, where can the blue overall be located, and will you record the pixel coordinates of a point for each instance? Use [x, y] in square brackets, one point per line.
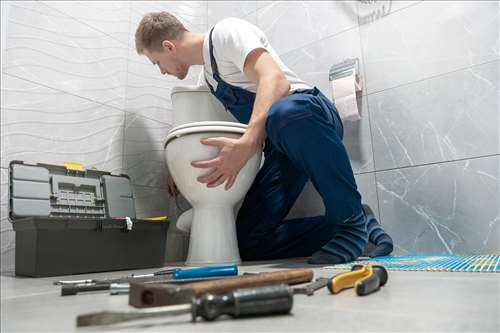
[304, 142]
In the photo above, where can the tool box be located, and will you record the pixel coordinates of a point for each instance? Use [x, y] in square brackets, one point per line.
[69, 220]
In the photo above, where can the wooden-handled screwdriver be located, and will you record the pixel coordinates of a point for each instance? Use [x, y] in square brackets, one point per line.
[269, 300]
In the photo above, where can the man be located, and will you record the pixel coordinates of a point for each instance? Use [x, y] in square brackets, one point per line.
[299, 126]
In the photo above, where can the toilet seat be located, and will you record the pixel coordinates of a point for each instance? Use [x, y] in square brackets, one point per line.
[209, 123]
[205, 127]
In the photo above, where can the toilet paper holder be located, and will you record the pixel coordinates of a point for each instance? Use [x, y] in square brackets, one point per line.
[345, 68]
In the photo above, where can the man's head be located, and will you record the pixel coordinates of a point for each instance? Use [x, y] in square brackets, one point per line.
[158, 37]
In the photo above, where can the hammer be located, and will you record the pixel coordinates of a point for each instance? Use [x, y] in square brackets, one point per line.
[149, 295]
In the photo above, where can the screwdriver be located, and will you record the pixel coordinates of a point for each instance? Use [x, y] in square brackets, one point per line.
[246, 302]
[177, 273]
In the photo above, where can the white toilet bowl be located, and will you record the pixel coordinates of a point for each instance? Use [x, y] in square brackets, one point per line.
[213, 230]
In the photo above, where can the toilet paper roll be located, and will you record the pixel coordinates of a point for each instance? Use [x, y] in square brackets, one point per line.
[344, 96]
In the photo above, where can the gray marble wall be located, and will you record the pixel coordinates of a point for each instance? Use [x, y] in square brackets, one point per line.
[426, 151]
[73, 88]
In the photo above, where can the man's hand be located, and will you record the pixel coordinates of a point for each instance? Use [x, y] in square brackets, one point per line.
[233, 155]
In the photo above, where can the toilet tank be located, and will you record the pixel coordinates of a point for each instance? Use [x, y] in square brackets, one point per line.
[196, 103]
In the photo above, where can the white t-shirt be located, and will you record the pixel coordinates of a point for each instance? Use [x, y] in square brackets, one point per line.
[233, 39]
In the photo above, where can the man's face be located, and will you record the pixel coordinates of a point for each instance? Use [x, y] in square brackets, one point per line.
[167, 61]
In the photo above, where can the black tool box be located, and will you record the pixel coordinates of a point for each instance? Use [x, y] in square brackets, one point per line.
[69, 220]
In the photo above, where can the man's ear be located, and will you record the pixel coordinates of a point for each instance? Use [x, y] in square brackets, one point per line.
[168, 45]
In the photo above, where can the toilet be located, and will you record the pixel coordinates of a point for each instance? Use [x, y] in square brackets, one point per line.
[197, 114]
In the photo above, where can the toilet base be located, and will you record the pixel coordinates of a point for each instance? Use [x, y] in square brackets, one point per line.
[213, 236]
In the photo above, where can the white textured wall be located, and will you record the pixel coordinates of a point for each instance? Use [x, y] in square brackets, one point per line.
[73, 88]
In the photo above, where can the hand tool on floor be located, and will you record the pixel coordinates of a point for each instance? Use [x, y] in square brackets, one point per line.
[312, 287]
[262, 301]
[121, 288]
[364, 278]
[178, 276]
[149, 295]
[177, 273]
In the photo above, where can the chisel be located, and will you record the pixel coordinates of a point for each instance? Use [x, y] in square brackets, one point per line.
[261, 301]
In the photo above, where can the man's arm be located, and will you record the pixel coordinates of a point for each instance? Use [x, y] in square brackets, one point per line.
[271, 83]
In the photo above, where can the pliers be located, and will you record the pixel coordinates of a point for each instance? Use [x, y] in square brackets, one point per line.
[364, 278]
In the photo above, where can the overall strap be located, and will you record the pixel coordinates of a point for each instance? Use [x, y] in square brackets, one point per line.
[215, 69]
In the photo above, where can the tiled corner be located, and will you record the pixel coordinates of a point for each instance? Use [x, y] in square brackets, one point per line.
[450, 117]
[217, 10]
[48, 47]
[445, 208]
[429, 39]
[144, 156]
[306, 21]
[40, 124]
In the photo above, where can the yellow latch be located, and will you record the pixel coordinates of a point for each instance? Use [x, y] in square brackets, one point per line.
[157, 218]
[75, 166]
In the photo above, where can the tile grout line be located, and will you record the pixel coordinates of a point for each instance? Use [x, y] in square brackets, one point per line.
[345, 30]
[369, 120]
[83, 97]
[435, 76]
[124, 160]
[431, 163]
[82, 21]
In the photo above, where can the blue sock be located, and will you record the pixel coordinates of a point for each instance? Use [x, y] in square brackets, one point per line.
[347, 244]
[376, 235]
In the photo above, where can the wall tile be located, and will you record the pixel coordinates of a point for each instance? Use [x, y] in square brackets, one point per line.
[40, 124]
[148, 91]
[144, 159]
[110, 17]
[449, 117]
[193, 14]
[312, 63]
[217, 10]
[306, 21]
[45, 46]
[446, 208]
[264, 3]
[371, 11]
[429, 39]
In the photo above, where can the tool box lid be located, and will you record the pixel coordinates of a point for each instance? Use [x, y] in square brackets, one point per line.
[69, 191]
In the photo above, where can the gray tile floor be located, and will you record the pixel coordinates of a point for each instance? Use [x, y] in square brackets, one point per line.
[411, 301]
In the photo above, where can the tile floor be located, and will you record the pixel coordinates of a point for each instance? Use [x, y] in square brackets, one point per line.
[411, 301]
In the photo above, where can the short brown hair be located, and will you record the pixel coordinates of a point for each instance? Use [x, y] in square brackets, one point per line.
[154, 28]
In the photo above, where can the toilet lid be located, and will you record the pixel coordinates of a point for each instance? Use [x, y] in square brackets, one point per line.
[199, 128]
